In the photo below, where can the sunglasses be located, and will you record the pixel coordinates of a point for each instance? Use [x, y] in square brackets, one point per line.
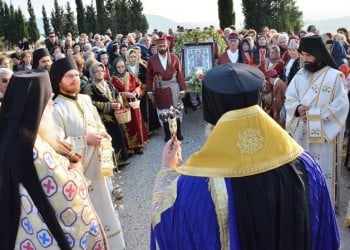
[5, 80]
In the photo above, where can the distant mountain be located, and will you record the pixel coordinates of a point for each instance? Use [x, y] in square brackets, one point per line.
[329, 25]
[162, 23]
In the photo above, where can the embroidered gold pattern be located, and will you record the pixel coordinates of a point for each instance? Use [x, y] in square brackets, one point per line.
[164, 193]
[250, 141]
[219, 195]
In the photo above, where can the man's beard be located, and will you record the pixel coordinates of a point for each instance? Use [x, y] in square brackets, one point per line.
[162, 52]
[46, 67]
[71, 89]
[313, 66]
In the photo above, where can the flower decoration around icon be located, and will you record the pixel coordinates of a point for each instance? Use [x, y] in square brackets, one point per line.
[194, 81]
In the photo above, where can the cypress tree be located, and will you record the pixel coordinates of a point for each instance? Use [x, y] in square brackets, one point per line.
[283, 15]
[110, 21]
[226, 13]
[100, 17]
[80, 16]
[137, 20]
[57, 16]
[33, 31]
[90, 19]
[69, 24]
[122, 16]
[46, 22]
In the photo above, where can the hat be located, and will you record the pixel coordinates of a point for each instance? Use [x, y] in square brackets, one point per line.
[38, 54]
[230, 86]
[314, 46]
[293, 44]
[233, 35]
[58, 69]
[170, 38]
[161, 41]
[16, 55]
[270, 73]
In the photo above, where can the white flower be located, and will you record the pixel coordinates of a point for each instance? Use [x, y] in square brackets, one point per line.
[198, 72]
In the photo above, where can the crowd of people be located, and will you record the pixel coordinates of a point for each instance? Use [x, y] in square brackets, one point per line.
[285, 84]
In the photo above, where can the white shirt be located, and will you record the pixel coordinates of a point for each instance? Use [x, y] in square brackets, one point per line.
[289, 66]
[233, 55]
[132, 68]
[163, 60]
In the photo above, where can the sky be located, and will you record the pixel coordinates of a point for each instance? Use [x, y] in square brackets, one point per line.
[204, 10]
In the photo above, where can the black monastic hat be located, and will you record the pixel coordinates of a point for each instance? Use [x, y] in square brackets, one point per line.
[314, 46]
[228, 87]
[38, 54]
[58, 69]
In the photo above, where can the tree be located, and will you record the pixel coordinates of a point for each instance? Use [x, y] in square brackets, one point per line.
[2, 18]
[110, 15]
[47, 26]
[100, 16]
[122, 16]
[80, 15]
[33, 31]
[57, 16]
[227, 15]
[69, 24]
[90, 19]
[282, 15]
[20, 26]
[137, 20]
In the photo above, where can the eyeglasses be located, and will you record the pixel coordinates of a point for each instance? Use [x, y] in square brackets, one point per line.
[120, 67]
[5, 80]
[71, 76]
[99, 71]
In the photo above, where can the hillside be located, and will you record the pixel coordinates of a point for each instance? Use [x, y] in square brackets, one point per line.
[163, 23]
[330, 25]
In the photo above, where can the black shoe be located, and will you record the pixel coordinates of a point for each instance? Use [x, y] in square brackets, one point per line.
[123, 163]
[166, 131]
[178, 132]
[139, 151]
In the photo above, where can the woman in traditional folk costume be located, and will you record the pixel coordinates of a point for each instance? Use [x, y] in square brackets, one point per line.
[131, 90]
[136, 66]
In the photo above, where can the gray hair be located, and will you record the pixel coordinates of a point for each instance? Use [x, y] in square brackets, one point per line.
[94, 67]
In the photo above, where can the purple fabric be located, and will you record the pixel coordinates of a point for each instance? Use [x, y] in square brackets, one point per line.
[324, 228]
[191, 222]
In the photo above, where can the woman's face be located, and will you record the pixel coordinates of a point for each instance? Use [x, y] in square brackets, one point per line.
[133, 58]
[293, 53]
[120, 67]
[273, 54]
[76, 49]
[123, 50]
[245, 46]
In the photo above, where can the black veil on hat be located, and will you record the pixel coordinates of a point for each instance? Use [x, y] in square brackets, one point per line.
[230, 86]
[314, 46]
[38, 54]
[24, 102]
[58, 69]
